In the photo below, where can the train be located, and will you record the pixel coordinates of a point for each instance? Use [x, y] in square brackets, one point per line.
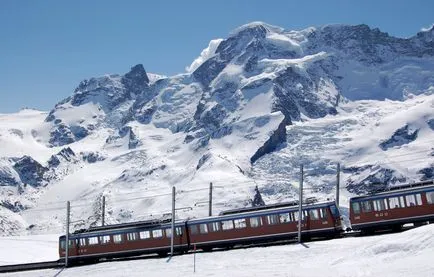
[250, 226]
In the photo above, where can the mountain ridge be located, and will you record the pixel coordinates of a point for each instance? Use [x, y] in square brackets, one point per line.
[249, 110]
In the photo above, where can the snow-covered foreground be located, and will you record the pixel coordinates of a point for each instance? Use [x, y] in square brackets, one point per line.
[404, 254]
[28, 249]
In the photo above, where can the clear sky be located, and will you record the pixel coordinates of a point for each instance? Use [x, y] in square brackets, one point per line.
[48, 46]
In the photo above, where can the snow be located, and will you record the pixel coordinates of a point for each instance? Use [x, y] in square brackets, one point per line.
[206, 54]
[405, 254]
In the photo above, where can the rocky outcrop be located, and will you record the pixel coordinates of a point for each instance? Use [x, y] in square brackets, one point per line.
[401, 136]
[277, 138]
[30, 171]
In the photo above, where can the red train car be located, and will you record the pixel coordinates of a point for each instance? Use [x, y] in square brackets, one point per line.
[391, 209]
[123, 240]
[319, 220]
[239, 227]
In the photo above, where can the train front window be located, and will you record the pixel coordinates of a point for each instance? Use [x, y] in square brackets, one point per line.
[430, 197]
[62, 244]
[334, 210]
[356, 207]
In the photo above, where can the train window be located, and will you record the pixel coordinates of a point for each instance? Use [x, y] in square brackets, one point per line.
[227, 225]
[178, 231]
[314, 215]
[411, 200]
[401, 200]
[168, 232]
[366, 206]
[93, 240]
[394, 203]
[144, 235]
[323, 213]
[379, 205]
[430, 197]
[356, 207]
[418, 199]
[284, 218]
[272, 219]
[104, 239]
[157, 233]
[132, 236]
[215, 226]
[83, 242]
[334, 210]
[203, 228]
[295, 216]
[240, 223]
[62, 244]
[255, 222]
[117, 238]
[193, 229]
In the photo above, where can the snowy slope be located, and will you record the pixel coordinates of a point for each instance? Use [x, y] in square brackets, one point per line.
[405, 254]
[248, 111]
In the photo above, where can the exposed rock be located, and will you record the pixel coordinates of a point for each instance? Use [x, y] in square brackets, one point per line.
[401, 136]
[65, 155]
[278, 137]
[92, 157]
[427, 173]
[30, 171]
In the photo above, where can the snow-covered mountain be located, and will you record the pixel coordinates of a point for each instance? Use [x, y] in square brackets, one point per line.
[248, 111]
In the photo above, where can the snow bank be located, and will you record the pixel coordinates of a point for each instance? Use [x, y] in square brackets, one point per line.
[404, 254]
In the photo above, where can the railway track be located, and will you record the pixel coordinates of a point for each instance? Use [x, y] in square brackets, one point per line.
[31, 266]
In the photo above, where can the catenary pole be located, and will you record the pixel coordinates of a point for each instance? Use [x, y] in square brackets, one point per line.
[173, 221]
[300, 204]
[210, 199]
[68, 206]
[338, 179]
[103, 211]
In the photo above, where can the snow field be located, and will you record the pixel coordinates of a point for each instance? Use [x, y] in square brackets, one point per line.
[403, 254]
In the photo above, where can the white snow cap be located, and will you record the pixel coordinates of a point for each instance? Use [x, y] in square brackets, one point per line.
[427, 29]
[204, 55]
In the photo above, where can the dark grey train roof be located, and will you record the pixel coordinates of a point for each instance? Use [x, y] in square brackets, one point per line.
[258, 213]
[399, 190]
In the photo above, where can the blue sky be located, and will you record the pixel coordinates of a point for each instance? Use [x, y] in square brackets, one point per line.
[48, 46]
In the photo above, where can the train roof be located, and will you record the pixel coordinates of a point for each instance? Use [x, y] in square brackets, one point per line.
[398, 190]
[253, 213]
[108, 229]
[310, 200]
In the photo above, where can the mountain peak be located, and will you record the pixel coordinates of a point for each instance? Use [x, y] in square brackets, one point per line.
[138, 72]
[256, 28]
